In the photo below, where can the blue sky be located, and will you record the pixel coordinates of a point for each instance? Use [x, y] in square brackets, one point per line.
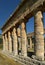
[6, 9]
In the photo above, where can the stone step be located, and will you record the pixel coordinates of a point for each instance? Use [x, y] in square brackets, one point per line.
[30, 61]
[24, 60]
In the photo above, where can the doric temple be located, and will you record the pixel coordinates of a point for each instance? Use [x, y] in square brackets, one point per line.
[14, 30]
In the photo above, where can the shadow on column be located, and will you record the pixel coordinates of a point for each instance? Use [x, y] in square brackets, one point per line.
[30, 51]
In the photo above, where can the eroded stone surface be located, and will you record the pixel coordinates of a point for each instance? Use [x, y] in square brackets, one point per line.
[6, 42]
[10, 42]
[15, 45]
[3, 43]
[39, 35]
[30, 43]
[23, 39]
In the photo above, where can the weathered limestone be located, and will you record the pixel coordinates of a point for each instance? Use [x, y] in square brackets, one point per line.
[23, 39]
[30, 43]
[18, 32]
[39, 35]
[18, 43]
[19, 38]
[6, 42]
[10, 42]
[3, 43]
[15, 45]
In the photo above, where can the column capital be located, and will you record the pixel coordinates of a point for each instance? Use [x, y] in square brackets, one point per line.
[5, 35]
[38, 14]
[14, 29]
[23, 25]
[8, 33]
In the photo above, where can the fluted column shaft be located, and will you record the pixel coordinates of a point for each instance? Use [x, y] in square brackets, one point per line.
[3, 43]
[19, 38]
[23, 39]
[15, 46]
[18, 32]
[30, 43]
[6, 42]
[10, 42]
[39, 35]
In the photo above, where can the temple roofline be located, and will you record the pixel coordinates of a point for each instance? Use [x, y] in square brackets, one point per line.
[11, 15]
[15, 11]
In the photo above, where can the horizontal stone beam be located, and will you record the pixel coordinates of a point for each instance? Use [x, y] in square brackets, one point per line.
[32, 34]
[24, 9]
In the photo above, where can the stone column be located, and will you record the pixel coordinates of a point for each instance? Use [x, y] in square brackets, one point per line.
[23, 39]
[18, 32]
[30, 43]
[6, 42]
[15, 46]
[3, 42]
[19, 38]
[39, 35]
[10, 42]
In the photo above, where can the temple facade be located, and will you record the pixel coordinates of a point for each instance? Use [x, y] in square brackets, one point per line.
[14, 30]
